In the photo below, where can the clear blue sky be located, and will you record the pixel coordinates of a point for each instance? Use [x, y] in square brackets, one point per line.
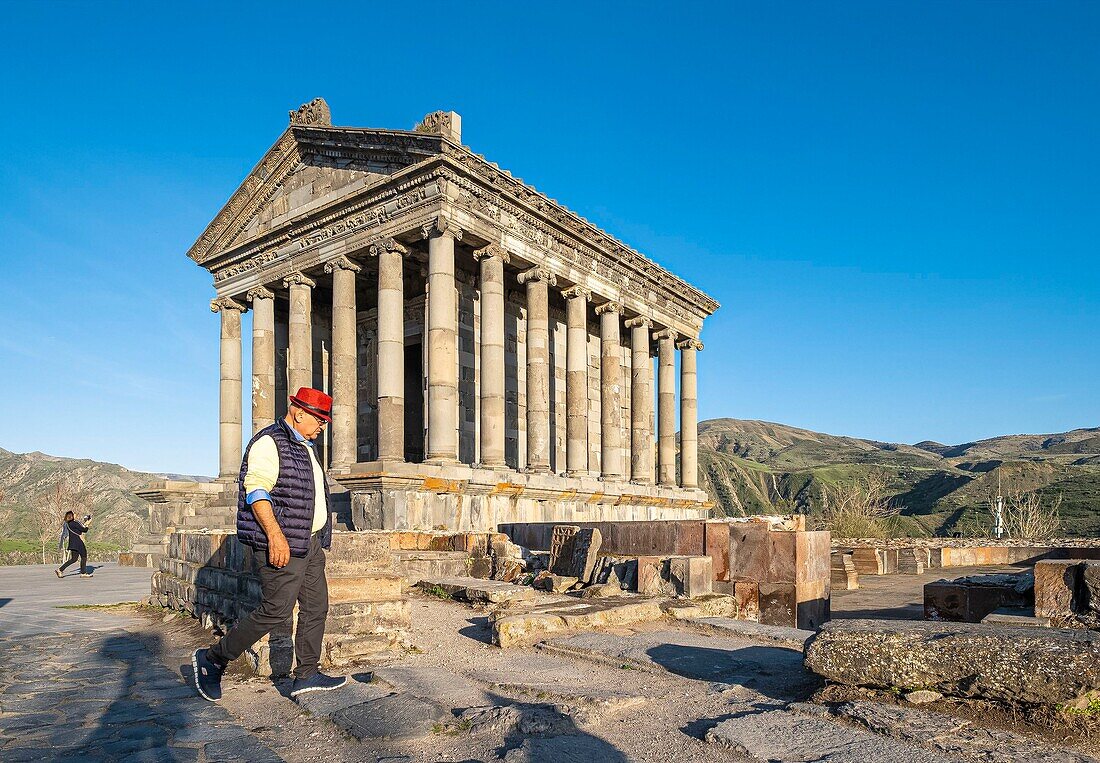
[897, 204]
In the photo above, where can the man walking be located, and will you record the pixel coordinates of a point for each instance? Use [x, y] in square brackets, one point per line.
[283, 510]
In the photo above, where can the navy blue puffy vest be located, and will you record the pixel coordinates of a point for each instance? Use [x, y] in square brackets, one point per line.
[292, 497]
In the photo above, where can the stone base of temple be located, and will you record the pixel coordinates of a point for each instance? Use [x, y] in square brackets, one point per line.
[406, 496]
[209, 575]
[177, 504]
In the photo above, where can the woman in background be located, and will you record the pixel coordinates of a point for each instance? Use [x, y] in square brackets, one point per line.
[72, 530]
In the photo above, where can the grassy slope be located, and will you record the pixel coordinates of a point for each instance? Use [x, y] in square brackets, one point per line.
[754, 467]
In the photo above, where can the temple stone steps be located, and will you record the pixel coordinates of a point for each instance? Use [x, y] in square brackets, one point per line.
[421, 565]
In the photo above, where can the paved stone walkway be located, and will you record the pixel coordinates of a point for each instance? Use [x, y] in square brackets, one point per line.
[89, 685]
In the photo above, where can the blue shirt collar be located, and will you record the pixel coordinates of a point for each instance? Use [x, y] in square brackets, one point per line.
[298, 437]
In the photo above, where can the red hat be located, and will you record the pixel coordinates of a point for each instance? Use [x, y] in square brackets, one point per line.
[315, 401]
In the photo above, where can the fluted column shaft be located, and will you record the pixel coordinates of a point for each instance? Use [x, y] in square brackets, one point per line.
[611, 442]
[230, 418]
[641, 401]
[442, 445]
[576, 380]
[538, 280]
[689, 413]
[263, 357]
[391, 349]
[299, 361]
[666, 407]
[492, 260]
[345, 372]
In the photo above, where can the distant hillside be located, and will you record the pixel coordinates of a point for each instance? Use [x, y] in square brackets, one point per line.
[103, 490]
[756, 466]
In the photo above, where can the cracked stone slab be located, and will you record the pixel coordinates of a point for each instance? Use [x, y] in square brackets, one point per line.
[780, 736]
[394, 716]
[357, 691]
[478, 591]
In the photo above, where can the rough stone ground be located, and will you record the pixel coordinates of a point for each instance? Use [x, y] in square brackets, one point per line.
[667, 691]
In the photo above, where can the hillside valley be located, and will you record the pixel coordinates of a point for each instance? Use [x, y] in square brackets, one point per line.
[751, 467]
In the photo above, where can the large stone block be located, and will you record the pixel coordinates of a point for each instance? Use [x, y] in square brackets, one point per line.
[1016, 665]
[691, 576]
[1058, 587]
[960, 601]
[375, 586]
[354, 552]
[869, 561]
[577, 554]
[750, 551]
[716, 545]
[795, 605]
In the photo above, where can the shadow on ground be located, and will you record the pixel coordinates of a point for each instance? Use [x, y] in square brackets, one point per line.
[775, 672]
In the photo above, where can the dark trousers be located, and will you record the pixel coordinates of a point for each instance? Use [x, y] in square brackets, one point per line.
[73, 556]
[303, 582]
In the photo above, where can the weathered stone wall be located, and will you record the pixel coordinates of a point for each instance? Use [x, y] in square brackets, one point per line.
[173, 504]
[211, 576]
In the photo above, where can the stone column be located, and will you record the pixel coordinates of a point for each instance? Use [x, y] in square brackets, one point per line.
[229, 431]
[666, 407]
[391, 349]
[689, 413]
[576, 380]
[641, 401]
[263, 357]
[442, 333]
[493, 259]
[299, 359]
[537, 280]
[344, 358]
[611, 441]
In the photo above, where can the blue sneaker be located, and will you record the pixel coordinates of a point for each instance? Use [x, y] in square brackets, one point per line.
[208, 675]
[317, 682]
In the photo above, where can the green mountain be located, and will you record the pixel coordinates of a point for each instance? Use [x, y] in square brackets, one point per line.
[35, 490]
[752, 467]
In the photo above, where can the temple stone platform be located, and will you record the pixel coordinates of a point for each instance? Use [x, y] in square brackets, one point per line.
[403, 496]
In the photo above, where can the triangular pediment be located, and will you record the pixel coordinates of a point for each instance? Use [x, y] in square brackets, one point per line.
[308, 167]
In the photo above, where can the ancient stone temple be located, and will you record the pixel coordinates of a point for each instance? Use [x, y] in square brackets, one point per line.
[492, 356]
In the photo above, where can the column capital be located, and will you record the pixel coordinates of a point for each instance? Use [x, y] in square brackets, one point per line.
[577, 291]
[441, 226]
[226, 303]
[666, 333]
[341, 263]
[609, 307]
[492, 250]
[259, 292]
[538, 273]
[298, 279]
[689, 344]
[388, 244]
[639, 321]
